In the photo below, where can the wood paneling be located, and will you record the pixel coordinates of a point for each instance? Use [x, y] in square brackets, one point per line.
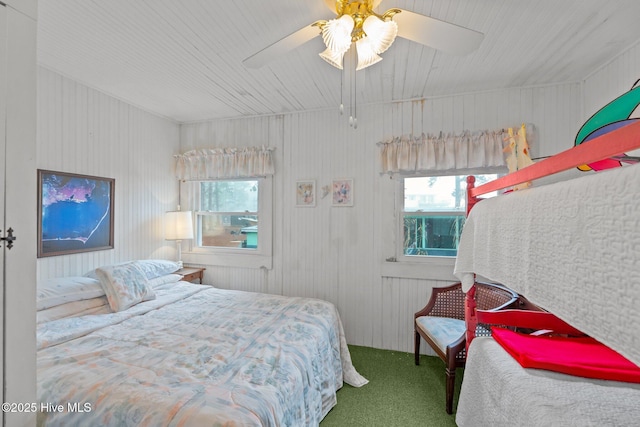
[336, 253]
[183, 59]
[84, 131]
[611, 80]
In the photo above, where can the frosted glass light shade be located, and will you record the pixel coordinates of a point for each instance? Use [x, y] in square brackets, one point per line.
[366, 53]
[336, 34]
[178, 225]
[332, 58]
[381, 34]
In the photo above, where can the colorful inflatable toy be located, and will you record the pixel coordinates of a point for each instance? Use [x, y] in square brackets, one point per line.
[620, 112]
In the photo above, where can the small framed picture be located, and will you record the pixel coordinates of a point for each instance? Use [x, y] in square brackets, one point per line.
[342, 192]
[305, 194]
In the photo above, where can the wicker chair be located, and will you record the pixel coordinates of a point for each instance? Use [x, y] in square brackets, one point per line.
[441, 323]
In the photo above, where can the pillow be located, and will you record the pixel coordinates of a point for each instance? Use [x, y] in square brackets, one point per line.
[153, 268]
[579, 356]
[125, 285]
[98, 305]
[163, 280]
[61, 290]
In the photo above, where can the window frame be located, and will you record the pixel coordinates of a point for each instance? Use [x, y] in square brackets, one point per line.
[439, 260]
[260, 257]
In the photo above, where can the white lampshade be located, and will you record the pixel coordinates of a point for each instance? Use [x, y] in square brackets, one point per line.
[178, 225]
[381, 34]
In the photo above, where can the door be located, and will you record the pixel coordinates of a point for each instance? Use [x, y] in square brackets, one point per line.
[18, 205]
[3, 156]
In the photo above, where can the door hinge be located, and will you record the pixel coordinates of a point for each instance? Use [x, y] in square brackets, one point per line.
[10, 238]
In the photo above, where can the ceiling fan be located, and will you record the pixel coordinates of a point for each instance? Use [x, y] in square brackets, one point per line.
[357, 23]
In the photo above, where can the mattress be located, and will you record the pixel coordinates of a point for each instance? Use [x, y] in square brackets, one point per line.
[195, 355]
[497, 391]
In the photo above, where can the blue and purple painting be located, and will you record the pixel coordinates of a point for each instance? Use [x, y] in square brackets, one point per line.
[76, 213]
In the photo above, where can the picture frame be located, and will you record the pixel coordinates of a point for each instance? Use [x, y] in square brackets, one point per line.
[305, 193]
[342, 192]
[75, 213]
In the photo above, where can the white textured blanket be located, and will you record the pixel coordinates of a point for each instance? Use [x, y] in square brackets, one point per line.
[498, 392]
[571, 247]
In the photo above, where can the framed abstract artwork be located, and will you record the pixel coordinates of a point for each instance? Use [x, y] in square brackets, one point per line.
[75, 213]
[306, 194]
[342, 192]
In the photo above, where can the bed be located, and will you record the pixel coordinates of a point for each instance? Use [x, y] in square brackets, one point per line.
[178, 354]
[572, 248]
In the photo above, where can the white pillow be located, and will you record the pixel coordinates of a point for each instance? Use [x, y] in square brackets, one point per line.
[153, 268]
[125, 285]
[98, 305]
[163, 280]
[61, 290]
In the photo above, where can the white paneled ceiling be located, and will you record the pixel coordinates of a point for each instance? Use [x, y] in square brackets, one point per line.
[183, 59]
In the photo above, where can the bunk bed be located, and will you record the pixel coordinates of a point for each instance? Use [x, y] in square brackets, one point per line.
[571, 248]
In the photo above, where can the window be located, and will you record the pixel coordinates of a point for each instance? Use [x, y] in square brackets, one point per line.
[433, 214]
[229, 214]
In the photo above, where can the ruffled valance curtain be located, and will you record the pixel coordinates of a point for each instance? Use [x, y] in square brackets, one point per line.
[430, 153]
[224, 163]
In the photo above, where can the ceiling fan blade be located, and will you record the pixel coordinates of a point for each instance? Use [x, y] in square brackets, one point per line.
[281, 47]
[437, 34]
[331, 4]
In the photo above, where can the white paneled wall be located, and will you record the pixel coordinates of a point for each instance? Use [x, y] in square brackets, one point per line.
[338, 253]
[333, 253]
[83, 131]
[611, 80]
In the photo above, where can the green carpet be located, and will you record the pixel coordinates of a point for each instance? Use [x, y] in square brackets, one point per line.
[399, 393]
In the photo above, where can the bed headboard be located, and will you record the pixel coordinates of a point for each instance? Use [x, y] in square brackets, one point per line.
[571, 247]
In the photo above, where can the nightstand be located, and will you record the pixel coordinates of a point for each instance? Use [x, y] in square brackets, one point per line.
[191, 273]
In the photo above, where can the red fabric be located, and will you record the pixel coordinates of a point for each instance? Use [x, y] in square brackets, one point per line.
[581, 356]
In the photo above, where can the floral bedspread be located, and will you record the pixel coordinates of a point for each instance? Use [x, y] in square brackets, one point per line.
[195, 356]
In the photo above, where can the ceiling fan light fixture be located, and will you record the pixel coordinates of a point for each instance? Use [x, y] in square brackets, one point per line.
[357, 23]
[333, 58]
[366, 53]
[381, 34]
[336, 33]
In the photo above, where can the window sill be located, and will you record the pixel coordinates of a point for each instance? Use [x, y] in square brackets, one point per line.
[243, 260]
[429, 269]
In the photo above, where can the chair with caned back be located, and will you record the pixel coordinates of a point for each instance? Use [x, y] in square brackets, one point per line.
[442, 325]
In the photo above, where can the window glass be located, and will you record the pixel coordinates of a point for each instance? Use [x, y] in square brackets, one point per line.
[228, 215]
[433, 215]
[229, 196]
